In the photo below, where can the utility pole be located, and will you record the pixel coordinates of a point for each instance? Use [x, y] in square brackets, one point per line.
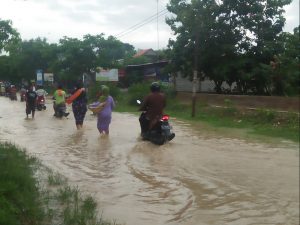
[195, 72]
[157, 31]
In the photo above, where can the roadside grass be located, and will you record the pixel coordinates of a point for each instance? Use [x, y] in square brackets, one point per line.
[31, 194]
[263, 122]
[19, 196]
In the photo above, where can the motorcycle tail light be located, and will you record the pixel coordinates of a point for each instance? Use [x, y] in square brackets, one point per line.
[165, 117]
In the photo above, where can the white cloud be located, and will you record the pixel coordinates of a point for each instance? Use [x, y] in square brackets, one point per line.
[54, 19]
[292, 16]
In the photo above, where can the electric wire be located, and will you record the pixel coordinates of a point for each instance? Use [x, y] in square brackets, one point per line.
[155, 15]
[142, 23]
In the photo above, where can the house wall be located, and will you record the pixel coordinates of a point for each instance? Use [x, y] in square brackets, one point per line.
[183, 84]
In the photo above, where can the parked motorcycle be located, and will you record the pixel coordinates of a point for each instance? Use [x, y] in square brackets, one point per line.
[160, 133]
[40, 103]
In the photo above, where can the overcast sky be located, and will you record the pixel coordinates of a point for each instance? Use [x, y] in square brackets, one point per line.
[54, 19]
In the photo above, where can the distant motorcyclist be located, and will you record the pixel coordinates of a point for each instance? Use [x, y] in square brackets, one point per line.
[23, 93]
[59, 98]
[41, 97]
[2, 89]
[13, 92]
[153, 104]
[7, 89]
[41, 92]
[23, 89]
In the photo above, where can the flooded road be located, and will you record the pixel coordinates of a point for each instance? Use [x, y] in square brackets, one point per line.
[199, 178]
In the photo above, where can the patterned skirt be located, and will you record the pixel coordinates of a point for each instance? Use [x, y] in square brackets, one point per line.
[79, 110]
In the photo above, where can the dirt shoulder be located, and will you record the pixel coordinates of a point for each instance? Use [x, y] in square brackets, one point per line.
[244, 101]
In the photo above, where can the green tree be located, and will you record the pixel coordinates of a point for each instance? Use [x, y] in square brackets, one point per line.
[8, 35]
[285, 65]
[9, 39]
[29, 56]
[77, 57]
[234, 38]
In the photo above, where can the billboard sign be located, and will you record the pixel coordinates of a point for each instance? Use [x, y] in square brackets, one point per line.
[48, 77]
[39, 77]
[107, 75]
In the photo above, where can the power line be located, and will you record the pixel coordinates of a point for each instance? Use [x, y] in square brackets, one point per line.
[142, 23]
[157, 29]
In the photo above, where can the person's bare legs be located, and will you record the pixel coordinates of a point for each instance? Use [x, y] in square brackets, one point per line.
[79, 126]
[103, 133]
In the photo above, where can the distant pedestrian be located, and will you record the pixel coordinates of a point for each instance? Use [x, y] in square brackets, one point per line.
[30, 102]
[104, 116]
[79, 104]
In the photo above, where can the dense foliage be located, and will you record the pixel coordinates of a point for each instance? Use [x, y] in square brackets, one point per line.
[94, 90]
[240, 43]
[235, 41]
[68, 60]
[139, 91]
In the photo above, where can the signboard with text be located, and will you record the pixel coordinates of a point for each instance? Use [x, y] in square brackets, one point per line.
[48, 77]
[107, 75]
[39, 77]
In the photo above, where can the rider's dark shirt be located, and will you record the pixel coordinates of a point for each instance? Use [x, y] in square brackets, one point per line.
[154, 105]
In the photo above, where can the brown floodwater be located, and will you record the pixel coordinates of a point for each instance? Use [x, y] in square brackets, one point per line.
[200, 178]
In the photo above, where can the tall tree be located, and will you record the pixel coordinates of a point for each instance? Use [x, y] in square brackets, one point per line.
[77, 57]
[285, 66]
[235, 36]
[8, 35]
[28, 56]
[9, 39]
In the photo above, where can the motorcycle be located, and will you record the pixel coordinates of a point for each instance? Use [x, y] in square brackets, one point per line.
[160, 133]
[13, 96]
[22, 96]
[2, 89]
[40, 103]
[60, 110]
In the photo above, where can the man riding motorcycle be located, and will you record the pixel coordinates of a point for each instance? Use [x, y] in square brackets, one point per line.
[59, 98]
[41, 97]
[153, 106]
[13, 92]
[41, 92]
[23, 93]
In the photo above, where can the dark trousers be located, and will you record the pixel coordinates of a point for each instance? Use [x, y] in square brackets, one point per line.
[144, 123]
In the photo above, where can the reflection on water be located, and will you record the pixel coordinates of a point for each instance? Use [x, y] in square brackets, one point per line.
[199, 178]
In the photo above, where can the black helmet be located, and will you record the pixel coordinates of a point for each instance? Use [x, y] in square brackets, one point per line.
[155, 87]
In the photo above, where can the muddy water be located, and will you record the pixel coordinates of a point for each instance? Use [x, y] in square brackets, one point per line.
[198, 178]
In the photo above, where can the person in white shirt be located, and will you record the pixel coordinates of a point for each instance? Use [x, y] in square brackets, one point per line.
[41, 92]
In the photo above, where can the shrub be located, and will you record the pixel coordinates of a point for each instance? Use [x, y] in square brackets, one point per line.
[19, 195]
[138, 91]
[266, 115]
[169, 90]
[94, 90]
[229, 109]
